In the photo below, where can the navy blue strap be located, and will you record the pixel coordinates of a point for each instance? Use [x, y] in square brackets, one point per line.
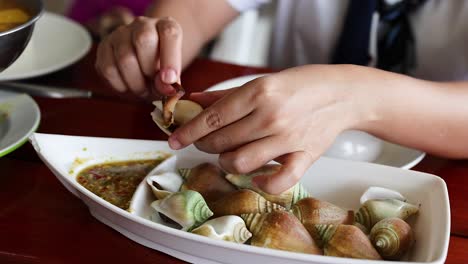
[353, 44]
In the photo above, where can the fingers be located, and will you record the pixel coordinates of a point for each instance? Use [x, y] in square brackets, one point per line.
[232, 136]
[229, 109]
[127, 61]
[170, 49]
[106, 66]
[145, 42]
[253, 155]
[294, 166]
[205, 99]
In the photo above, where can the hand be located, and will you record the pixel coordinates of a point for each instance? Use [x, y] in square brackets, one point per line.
[134, 56]
[291, 117]
[110, 20]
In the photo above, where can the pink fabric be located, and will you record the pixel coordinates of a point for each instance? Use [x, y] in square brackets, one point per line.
[84, 10]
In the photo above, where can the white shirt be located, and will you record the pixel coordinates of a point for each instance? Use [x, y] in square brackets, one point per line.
[306, 31]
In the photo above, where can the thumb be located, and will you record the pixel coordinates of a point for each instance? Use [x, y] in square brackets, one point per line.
[294, 165]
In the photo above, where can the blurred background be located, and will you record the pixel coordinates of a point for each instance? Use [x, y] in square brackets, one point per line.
[245, 41]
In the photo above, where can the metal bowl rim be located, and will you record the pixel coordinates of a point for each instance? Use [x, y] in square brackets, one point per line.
[27, 24]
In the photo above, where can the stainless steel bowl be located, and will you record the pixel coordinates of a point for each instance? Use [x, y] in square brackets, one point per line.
[13, 41]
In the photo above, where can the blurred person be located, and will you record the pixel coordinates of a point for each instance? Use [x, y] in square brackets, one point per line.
[103, 16]
[391, 68]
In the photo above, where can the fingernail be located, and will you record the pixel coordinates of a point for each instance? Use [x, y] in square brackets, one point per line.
[169, 76]
[174, 143]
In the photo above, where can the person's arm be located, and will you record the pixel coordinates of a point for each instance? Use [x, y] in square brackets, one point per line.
[431, 116]
[157, 47]
[294, 116]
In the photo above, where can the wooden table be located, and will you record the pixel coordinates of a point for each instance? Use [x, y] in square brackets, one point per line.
[41, 222]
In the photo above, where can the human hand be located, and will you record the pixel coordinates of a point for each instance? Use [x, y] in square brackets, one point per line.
[144, 53]
[110, 20]
[291, 117]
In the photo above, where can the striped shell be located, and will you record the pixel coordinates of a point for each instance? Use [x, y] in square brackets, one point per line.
[229, 228]
[372, 211]
[280, 230]
[346, 241]
[243, 202]
[186, 208]
[208, 180]
[311, 212]
[286, 198]
[392, 237]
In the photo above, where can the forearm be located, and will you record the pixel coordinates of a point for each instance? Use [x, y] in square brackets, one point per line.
[201, 20]
[430, 116]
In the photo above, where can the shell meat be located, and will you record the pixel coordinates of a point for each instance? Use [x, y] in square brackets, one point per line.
[372, 211]
[243, 201]
[392, 237]
[172, 112]
[286, 198]
[229, 228]
[208, 180]
[280, 230]
[346, 241]
[186, 208]
[380, 193]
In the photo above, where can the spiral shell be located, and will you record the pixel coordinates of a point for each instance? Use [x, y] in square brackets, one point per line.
[228, 228]
[311, 212]
[346, 241]
[243, 202]
[286, 198]
[208, 180]
[392, 237]
[186, 208]
[280, 230]
[372, 211]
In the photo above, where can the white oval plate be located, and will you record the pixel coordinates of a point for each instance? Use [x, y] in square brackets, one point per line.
[390, 154]
[56, 43]
[338, 181]
[19, 118]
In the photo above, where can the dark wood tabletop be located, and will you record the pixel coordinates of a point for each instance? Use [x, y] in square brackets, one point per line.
[41, 222]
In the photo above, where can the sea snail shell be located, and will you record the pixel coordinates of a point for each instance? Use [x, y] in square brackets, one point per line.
[311, 212]
[346, 241]
[184, 111]
[186, 208]
[228, 228]
[243, 201]
[280, 230]
[285, 199]
[372, 211]
[208, 180]
[392, 237]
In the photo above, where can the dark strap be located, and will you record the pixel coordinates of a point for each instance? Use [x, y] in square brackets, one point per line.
[353, 44]
[396, 48]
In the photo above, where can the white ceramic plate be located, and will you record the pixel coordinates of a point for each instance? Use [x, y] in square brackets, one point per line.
[56, 43]
[337, 181]
[364, 147]
[19, 118]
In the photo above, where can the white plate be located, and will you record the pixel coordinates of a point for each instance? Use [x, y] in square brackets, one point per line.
[56, 43]
[382, 152]
[337, 181]
[19, 118]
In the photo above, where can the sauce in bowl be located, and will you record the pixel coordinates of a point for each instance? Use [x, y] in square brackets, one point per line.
[117, 181]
